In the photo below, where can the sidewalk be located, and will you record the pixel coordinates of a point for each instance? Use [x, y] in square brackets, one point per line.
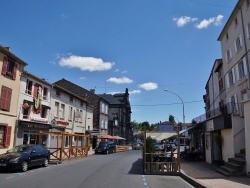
[204, 174]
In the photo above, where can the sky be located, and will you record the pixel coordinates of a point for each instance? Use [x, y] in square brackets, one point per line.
[146, 46]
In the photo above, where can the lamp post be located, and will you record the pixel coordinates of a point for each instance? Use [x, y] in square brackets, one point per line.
[178, 155]
[181, 102]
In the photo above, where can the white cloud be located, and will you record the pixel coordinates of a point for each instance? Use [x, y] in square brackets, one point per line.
[82, 78]
[149, 86]
[117, 70]
[183, 20]
[85, 63]
[123, 80]
[205, 23]
[134, 92]
[123, 72]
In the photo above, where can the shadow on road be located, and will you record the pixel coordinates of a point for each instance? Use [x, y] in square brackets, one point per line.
[137, 167]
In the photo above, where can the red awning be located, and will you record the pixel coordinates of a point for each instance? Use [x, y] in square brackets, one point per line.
[108, 137]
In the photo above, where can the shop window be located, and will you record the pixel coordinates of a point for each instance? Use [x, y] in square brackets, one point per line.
[9, 68]
[5, 98]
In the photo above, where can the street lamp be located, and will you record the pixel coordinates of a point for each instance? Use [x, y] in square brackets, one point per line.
[181, 101]
[178, 156]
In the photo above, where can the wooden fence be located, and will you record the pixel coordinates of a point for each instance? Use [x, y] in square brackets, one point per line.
[65, 146]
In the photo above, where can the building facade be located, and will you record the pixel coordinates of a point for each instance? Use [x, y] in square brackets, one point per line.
[33, 109]
[11, 69]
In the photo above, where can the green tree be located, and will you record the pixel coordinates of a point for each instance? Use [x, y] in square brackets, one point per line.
[171, 118]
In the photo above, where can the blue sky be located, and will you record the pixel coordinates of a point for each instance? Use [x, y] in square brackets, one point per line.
[110, 45]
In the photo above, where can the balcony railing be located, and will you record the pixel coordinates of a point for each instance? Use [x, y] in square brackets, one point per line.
[229, 108]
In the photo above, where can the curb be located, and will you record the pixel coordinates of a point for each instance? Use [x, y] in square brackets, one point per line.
[191, 181]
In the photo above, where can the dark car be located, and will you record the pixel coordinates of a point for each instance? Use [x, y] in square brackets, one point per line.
[137, 146]
[22, 157]
[105, 147]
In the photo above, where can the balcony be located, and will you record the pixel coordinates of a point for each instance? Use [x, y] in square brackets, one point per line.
[229, 108]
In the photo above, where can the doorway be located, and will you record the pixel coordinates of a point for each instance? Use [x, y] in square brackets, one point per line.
[30, 137]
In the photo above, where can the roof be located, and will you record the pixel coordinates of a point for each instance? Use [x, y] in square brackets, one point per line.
[8, 52]
[110, 98]
[72, 88]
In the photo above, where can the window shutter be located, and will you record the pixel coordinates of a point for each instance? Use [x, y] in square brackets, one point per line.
[5, 98]
[8, 136]
[233, 73]
[237, 72]
[245, 66]
[236, 103]
[235, 46]
[14, 72]
[4, 68]
[230, 52]
[227, 81]
[227, 58]
[247, 30]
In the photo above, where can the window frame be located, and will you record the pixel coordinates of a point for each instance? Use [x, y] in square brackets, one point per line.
[9, 67]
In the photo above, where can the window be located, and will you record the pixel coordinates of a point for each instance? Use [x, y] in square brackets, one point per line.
[241, 69]
[236, 21]
[45, 93]
[231, 78]
[58, 93]
[57, 109]
[9, 68]
[70, 112]
[29, 84]
[81, 104]
[234, 104]
[62, 110]
[220, 84]
[244, 95]
[248, 29]
[5, 98]
[238, 43]
[5, 136]
[102, 108]
[80, 118]
[229, 55]
[26, 111]
[227, 37]
[44, 111]
[70, 98]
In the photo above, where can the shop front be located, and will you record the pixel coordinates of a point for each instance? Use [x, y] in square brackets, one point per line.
[28, 132]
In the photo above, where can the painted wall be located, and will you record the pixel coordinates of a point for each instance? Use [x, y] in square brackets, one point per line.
[227, 149]
[247, 132]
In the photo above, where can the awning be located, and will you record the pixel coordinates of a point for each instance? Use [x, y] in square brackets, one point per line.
[187, 129]
[120, 138]
[160, 135]
[109, 137]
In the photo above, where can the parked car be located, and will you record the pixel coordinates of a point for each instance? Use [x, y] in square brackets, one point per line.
[159, 147]
[137, 146]
[22, 157]
[105, 147]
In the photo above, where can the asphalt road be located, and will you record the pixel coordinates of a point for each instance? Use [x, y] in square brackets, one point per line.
[119, 170]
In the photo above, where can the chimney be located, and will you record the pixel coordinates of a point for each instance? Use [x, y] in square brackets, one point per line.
[92, 91]
[8, 48]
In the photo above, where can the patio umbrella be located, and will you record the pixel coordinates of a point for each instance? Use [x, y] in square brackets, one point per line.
[108, 137]
[120, 138]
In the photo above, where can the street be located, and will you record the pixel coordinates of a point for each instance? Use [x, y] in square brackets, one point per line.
[106, 171]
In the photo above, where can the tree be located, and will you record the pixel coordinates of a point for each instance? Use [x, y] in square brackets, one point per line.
[171, 118]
